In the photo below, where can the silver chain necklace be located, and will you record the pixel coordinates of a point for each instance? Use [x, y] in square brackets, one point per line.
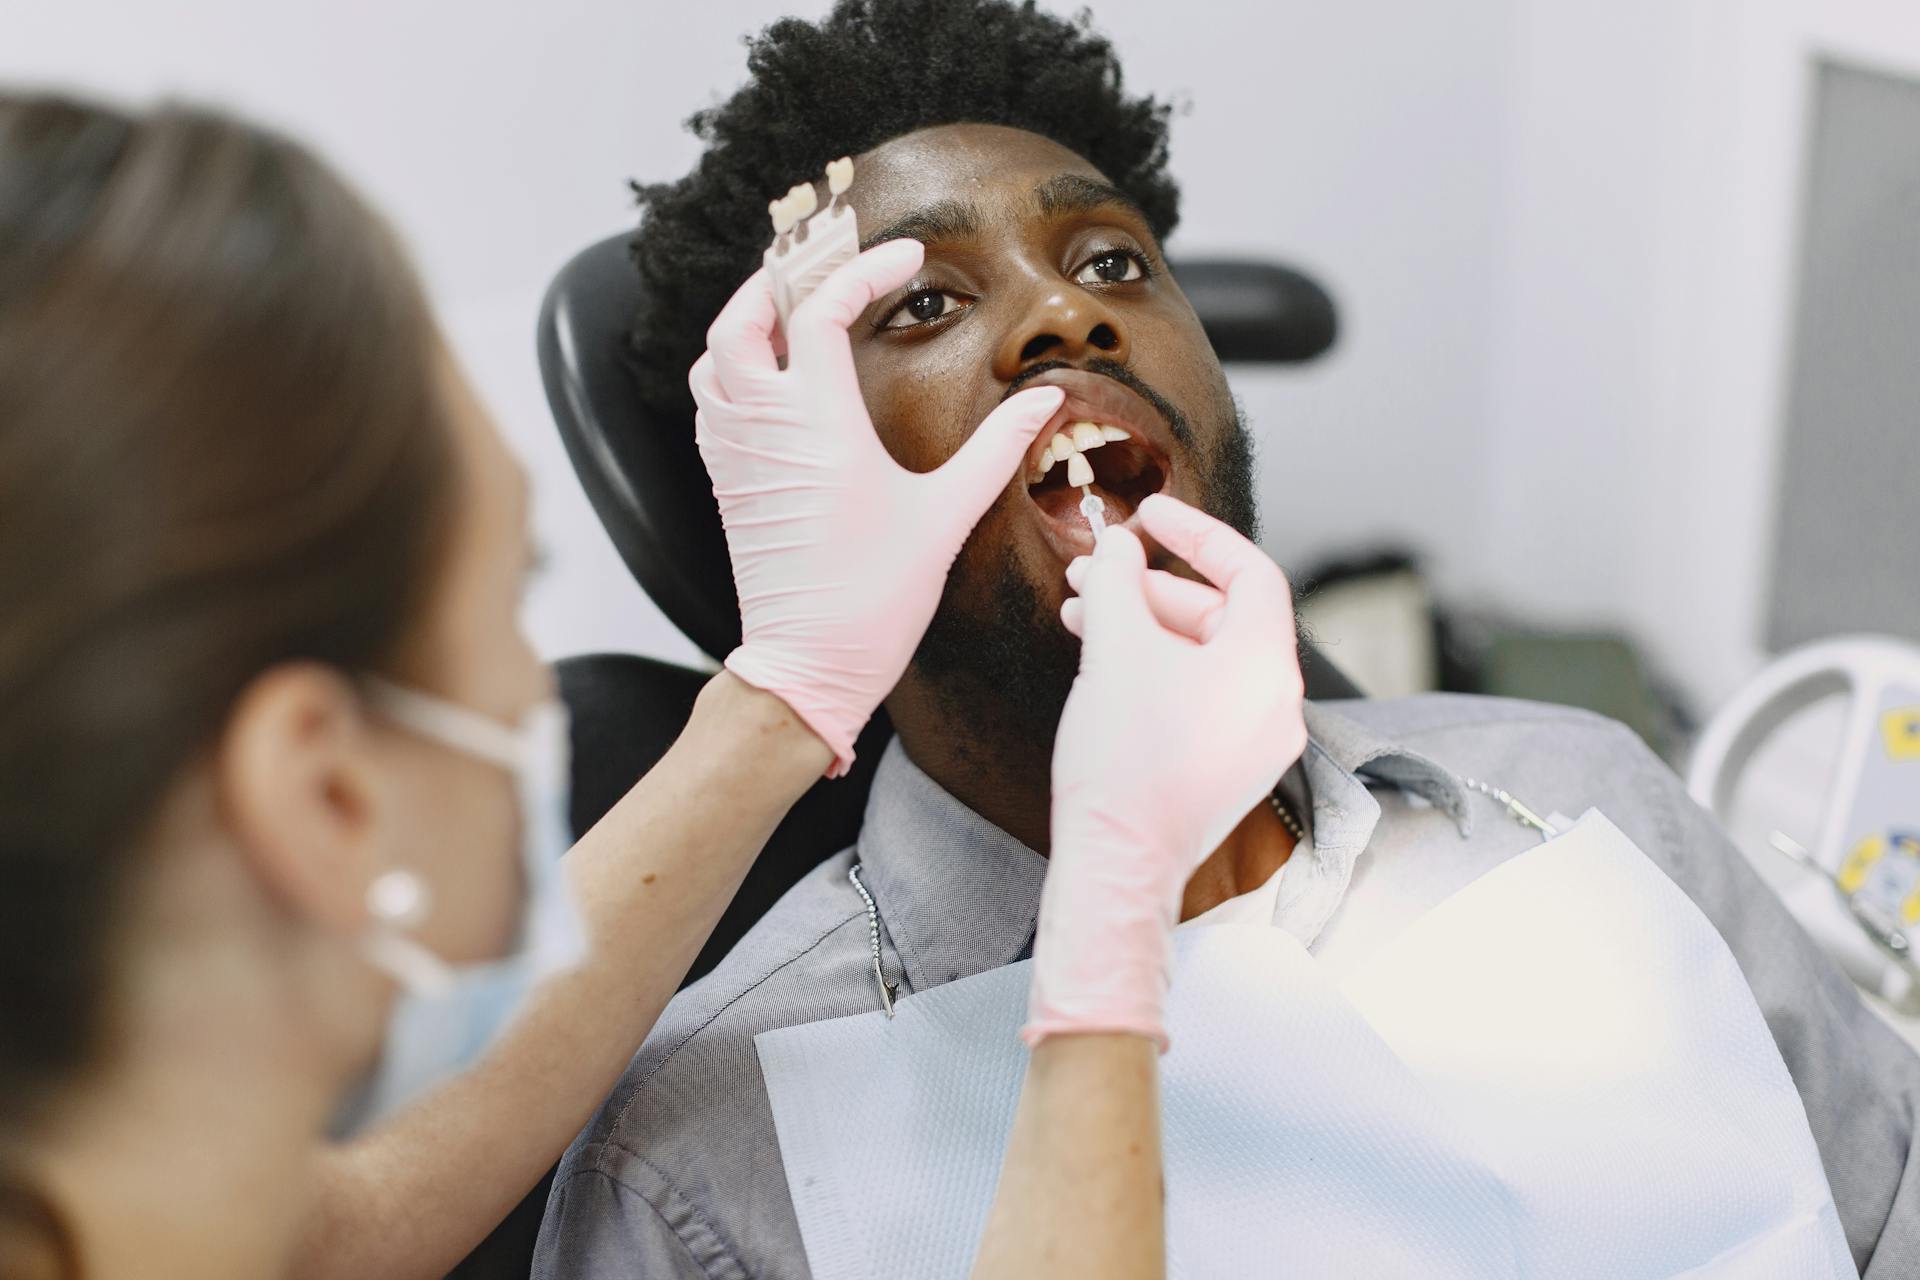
[1284, 812]
[887, 989]
[1521, 814]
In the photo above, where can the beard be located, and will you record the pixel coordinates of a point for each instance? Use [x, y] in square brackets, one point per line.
[1001, 670]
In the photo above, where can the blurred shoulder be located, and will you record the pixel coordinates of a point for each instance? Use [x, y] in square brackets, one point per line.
[1472, 714]
[1551, 757]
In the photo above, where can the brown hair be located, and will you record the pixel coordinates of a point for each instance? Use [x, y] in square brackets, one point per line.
[222, 448]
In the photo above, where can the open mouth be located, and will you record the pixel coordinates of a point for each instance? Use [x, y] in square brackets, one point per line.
[1076, 457]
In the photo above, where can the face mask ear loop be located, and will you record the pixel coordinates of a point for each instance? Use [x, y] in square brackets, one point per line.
[446, 1013]
[398, 900]
[449, 725]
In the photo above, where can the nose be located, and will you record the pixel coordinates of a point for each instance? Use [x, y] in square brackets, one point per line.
[1060, 321]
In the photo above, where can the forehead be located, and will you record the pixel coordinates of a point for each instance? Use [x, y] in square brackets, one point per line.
[987, 165]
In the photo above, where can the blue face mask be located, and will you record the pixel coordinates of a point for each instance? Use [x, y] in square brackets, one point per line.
[447, 1016]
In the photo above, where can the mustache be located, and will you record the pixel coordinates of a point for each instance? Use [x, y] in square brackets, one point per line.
[1182, 429]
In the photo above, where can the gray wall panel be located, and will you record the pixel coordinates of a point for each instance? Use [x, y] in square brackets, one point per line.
[1848, 549]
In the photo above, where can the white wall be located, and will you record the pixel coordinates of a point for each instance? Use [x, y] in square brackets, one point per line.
[498, 135]
[1560, 235]
[1643, 311]
[1360, 140]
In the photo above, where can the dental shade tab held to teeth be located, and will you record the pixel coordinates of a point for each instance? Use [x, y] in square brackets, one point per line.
[808, 246]
[1079, 471]
[1080, 476]
[1071, 447]
[1095, 511]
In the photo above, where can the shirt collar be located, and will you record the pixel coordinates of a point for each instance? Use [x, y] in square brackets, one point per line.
[1342, 756]
[1361, 752]
[958, 896]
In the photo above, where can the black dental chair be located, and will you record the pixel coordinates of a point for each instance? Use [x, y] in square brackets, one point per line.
[649, 488]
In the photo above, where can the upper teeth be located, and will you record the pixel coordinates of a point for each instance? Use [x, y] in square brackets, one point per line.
[1067, 446]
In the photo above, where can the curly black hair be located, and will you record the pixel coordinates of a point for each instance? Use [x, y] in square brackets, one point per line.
[870, 71]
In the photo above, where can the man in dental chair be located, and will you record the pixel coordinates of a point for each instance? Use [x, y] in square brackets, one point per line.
[1002, 137]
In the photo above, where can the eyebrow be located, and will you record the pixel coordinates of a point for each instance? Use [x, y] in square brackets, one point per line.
[943, 220]
[1058, 196]
[1075, 193]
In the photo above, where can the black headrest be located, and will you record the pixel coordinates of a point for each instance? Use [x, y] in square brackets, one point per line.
[644, 475]
[1258, 312]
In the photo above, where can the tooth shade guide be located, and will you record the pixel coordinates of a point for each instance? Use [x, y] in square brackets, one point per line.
[804, 200]
[1079, 471]
[810, 243]
[783, 214]
[839, 177]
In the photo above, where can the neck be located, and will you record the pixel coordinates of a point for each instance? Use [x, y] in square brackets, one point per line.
[1250, 855]
[190, 1149]
[1011, 787]
[1004, 778]
[183, 1170]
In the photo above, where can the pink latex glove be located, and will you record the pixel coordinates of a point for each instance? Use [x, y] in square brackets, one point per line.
[1186, 712]
[839, 553]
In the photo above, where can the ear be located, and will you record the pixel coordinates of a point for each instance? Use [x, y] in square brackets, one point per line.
[295, 774]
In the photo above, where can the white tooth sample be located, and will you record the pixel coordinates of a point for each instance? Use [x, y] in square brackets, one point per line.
[1062, 447]
[1079, 471]
[803, 199]
[839, 174]
[1111, 434]
[783, 215]
[1086, 436]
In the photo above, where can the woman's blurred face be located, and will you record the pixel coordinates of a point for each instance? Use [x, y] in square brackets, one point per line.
[454, 820]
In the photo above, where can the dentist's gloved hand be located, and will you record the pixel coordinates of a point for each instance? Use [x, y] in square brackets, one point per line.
[1186, 712]
[839, 553]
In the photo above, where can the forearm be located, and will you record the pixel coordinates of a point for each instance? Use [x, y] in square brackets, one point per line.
[1081, 1192]
[413, 1196]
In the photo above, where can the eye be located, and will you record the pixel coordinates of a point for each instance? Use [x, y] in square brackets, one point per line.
[922, 307]
[1115, 266]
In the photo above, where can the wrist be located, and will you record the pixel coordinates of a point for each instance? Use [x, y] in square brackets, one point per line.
[1101, 964]
[822, 701]
[746, 727]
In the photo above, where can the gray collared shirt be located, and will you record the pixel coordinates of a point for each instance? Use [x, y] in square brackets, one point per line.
[679, 1174]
